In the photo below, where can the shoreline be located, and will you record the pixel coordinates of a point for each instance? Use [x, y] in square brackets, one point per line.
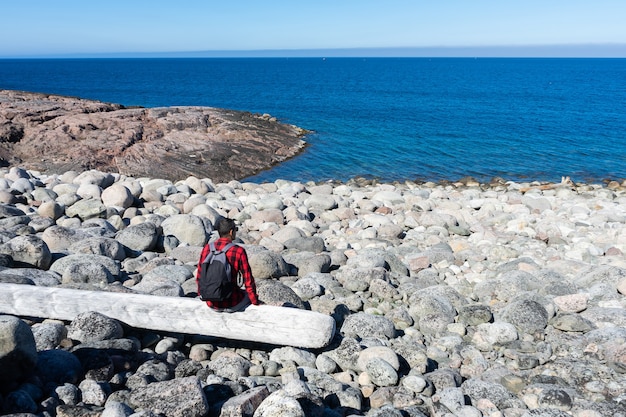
[459, 298]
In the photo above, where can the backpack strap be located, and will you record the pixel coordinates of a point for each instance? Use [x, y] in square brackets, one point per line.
[227, 247]
[224, 249]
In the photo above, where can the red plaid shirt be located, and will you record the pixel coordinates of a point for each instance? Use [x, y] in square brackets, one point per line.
[238, 259]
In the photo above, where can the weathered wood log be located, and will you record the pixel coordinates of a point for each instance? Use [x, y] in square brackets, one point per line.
[264, 324]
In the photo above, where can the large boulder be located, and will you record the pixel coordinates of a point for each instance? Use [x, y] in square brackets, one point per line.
[139, 237]
[267, 264]
[28, 250]
[187, 228]
[181, 397]
[18, 351]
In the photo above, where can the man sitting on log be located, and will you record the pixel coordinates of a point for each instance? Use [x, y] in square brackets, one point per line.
[237, 257]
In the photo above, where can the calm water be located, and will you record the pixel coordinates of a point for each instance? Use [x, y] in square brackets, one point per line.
[393, 119]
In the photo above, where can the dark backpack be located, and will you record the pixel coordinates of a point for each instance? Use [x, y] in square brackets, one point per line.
[215, 280]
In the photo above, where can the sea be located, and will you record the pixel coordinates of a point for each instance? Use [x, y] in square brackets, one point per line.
[389, 119]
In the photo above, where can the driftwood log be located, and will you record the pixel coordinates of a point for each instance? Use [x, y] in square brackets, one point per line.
[264, 324]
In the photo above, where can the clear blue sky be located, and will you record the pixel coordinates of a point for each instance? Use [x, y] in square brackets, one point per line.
[66, 27]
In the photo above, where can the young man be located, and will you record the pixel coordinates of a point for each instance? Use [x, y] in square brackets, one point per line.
[238, 259]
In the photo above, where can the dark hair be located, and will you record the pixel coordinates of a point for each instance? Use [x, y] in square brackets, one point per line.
[224, 226]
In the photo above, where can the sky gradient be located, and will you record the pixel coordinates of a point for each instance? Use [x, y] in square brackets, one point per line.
[44, 28]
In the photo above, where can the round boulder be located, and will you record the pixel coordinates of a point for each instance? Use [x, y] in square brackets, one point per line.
[92, 326]
[187, 228]
[18, 351]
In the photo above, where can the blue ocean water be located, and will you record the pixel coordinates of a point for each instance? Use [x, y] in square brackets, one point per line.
[393, 119]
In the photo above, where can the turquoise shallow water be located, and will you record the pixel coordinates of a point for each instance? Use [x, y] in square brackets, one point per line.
[386, 118]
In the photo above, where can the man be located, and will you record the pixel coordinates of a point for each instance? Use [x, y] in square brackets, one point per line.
[238, 260]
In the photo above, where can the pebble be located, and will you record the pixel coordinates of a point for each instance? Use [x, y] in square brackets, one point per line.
[450, 299]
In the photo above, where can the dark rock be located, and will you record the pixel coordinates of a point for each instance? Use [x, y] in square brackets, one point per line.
[18, 351]
[58, 366]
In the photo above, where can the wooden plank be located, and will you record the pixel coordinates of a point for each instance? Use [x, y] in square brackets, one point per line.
[264, 324]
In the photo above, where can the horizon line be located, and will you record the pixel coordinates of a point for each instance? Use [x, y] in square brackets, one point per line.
[606, 50]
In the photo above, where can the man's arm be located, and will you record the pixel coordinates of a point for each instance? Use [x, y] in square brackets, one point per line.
[246, 273]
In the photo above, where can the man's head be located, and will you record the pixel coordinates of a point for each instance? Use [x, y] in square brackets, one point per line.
[225, 226]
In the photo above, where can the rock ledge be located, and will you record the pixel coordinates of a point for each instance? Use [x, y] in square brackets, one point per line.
[56, 134]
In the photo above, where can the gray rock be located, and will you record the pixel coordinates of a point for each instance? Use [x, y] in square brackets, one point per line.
[154, 370]
[526, 315]
[160, 286]
[308, 262]
[176, 273]
[545, 412]
[117, 195]
[369, 258]
[321, 202]
[39, 223]
[95, 177]
[18, 351]
[306, 244]
[299, 356]
[93, 392]
[244, 404]
[86, 209]
[572, 322]
[444, 378]
[19, 403]
[476, 389]
[366, 325]
[539, 204]
[511, 283]
[431, 311]
[307, 288]
[49, 334]
[186, 254]
[280, 404]
[384, 290]
[605, 316]
[37, 276]
[346, 355]
[9, 211]
[266, 264]
[116, 409]
[451, 398]
[354, 278]
[94, 274]
[231, 367]
[139, 237]
[600, 274]
[268, 216]
[68, 393]
[381, 372]
[474, 314]
[181, 397]
[58, 366]
[187, 228]
[92, 326]
[496, 333]
[29, 251]
[276, 293]
[98, 262]
[9, 278]
[102, 246]
[288, 232]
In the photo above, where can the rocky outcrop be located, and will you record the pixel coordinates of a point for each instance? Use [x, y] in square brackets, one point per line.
[55, 134]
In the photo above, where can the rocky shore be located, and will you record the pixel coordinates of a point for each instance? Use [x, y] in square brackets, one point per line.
[54, 133]
[465, 299]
